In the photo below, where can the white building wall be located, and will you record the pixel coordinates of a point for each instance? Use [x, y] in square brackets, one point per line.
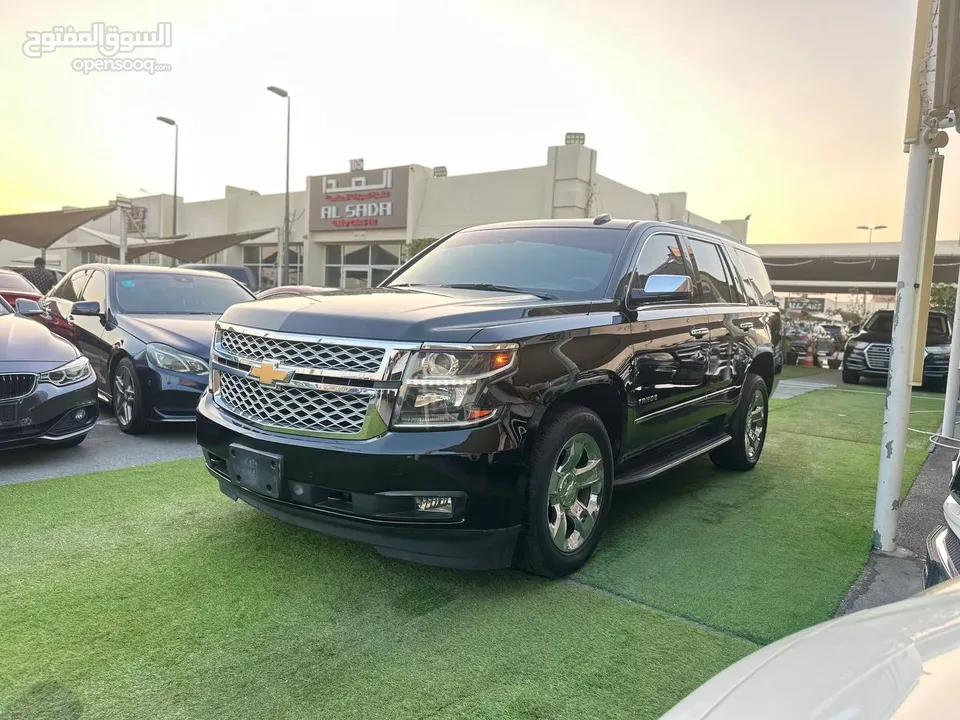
[451, 203]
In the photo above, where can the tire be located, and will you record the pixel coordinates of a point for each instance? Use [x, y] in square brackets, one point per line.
[548, 515]
[128, 393]
[743, 452]
[850, 377]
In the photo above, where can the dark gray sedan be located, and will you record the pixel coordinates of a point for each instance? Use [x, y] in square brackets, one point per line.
[48, 392]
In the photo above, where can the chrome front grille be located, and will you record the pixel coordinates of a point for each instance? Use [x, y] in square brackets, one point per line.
[16, 385]
[293, 408]
[878, 356]
[317, 355]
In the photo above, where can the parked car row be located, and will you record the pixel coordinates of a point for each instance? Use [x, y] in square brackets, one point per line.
[136, 337]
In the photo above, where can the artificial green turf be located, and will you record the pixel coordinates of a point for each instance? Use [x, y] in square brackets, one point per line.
[765, 553]
[791, 372]
[145, 593]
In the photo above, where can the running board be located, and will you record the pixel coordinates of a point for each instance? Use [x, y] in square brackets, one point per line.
[661, 465]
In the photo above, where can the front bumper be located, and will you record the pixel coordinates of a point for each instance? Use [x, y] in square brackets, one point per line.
[353, 489]
[170, 396]
[46, 416]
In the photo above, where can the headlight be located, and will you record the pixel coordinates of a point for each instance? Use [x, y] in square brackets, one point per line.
[449, 386]
[937, 350]
[73, 371]
[857, 345]
[168, 358]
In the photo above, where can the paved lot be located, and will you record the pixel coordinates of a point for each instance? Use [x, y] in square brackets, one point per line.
[106, 448]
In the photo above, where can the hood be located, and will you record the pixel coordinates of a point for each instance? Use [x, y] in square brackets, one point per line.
[190, 333]
[900, 661]
[29, 346]
[398, 314]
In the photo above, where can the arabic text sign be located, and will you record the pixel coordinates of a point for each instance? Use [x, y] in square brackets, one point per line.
[364, 199]
[107, 39]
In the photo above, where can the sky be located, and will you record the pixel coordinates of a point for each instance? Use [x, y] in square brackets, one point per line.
[792, 112]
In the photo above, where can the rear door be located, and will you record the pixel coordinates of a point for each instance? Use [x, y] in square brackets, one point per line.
[668, 371]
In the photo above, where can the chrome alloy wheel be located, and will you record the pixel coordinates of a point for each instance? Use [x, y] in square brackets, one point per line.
[124, 395]
[755, 425]
[575, 493]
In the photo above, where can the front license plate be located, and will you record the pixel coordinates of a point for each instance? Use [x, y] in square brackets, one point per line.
[8, 413]
[257, 471]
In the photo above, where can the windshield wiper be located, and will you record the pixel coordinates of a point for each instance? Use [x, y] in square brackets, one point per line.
[500, 288]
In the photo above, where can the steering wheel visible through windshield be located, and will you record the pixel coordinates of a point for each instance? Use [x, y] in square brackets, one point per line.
[569, 263]
[176, 294]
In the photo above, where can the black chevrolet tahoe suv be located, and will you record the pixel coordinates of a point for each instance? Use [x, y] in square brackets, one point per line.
[867, 353]
[479, 407]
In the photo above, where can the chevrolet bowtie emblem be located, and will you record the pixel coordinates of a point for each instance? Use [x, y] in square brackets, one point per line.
[268, 374]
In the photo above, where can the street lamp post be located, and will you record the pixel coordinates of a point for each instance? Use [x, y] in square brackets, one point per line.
[176, 146]
[282, 266]
[870, 229]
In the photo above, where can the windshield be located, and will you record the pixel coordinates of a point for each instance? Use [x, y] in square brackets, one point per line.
[15, 281]
[571, 263]
[176, 294]
[882, 324]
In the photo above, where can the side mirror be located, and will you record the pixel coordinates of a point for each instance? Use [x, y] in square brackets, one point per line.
[28, 308]
[86, 308]
[855, 329]
[661, 289]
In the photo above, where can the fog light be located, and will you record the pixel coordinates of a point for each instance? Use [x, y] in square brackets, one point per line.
[297, 489]
[435, 504]
[80, 415]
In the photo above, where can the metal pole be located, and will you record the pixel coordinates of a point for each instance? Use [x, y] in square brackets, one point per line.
[176, 152]
[123, 236]
[896, 413]
[953, 374]
[283, 269]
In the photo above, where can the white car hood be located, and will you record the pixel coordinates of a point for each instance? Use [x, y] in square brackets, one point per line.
[900, 661]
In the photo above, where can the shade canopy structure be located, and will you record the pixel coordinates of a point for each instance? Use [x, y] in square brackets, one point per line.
[848, 267]
[42, 229]
[186, 249]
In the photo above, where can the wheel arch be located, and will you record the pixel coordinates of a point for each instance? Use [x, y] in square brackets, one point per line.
[604, 394]
[763, 366]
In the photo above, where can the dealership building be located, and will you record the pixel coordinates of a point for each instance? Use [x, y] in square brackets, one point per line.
[351, 229]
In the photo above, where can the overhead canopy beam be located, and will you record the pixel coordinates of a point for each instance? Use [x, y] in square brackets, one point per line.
[188, 249]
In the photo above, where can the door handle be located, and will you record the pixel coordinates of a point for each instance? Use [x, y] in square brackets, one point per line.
[746, 326]
[699, 332]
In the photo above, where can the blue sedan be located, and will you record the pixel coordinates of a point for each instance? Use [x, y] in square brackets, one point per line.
[147, 333]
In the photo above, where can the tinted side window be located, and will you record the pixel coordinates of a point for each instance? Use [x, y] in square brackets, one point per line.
[660, 255]
[755, 277]
[70, 287]
[96, 289]
[714, 284]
